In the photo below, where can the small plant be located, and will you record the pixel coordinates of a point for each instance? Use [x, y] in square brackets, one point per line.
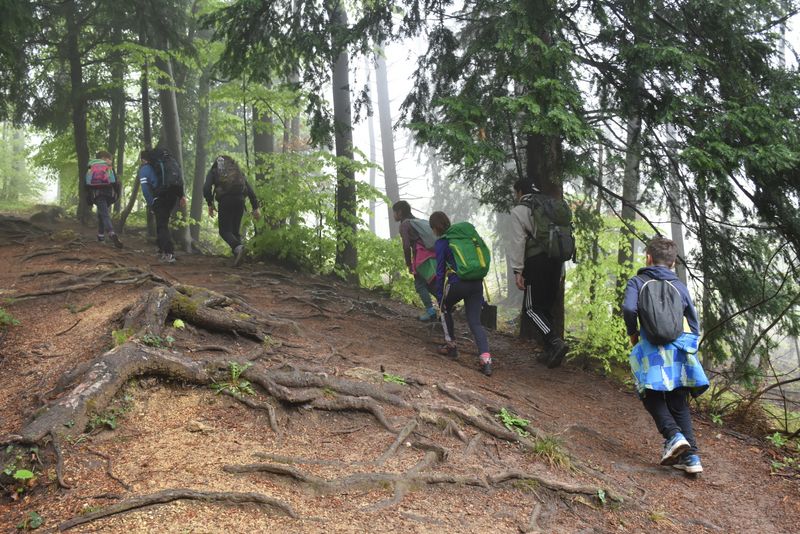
[512, 422]
[236, 385]
[6, 319]
[121, 336]
[777, 439]
[178, 324]
[106, 419]
[601, 496]
[152, 340]
[32, 521]
[550, 448]
[716, 419]
[394, 379]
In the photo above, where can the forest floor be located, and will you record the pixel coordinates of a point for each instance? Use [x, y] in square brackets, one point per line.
[325, 443]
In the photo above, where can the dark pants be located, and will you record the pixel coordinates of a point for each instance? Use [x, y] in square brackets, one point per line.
[231, 210]
[421, 285]
[542, 281]
[162, 208]
[103, 204]
[471, 292]
[670, 411]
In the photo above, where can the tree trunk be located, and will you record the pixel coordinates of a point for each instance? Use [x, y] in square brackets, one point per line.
[200, 154]
[387, 139]
[263, 141]
[674, 200]
[79, 106]
[630, 185]
[173, 139]
[372, 171]
[346, 201]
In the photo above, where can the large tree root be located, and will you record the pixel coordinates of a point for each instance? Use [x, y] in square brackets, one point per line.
[171, 495]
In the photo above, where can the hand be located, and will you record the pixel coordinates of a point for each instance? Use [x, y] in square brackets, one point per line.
[211, 211]
[634, 339]
[256, 214]
[410, 269]
[520, 282]
[183, 202]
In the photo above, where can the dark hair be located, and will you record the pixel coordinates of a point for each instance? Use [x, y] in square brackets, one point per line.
[145, 155]
[103, 154]
[523, 186]
[439, 222]
[663, 251]
[402, 207]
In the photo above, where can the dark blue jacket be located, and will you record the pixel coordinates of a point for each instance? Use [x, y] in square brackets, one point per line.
[631, 300]
[444, 261]
[149, 180]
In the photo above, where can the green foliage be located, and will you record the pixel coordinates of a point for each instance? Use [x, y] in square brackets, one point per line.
[717, 419]
[18, 182]
[32, 521]
[382, 265]
[593, 295]
[777, 439]
[152, 340]
[121, 336]
[235, 385]
[6, 319]
[179, 324]
[550, 449]
[512, 422]
[394, 379]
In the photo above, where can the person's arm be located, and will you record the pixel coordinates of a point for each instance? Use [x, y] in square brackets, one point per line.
[520, 220]
[630, 306]
[441, 247]
[405, 228]
[144, 176]
[248, 190]
[208, 185]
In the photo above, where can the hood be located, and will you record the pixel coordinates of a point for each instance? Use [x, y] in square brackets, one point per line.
[659, 272]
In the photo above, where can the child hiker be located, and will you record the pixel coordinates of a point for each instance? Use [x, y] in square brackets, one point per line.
[102, 190]
[461, 280]
[664, 358]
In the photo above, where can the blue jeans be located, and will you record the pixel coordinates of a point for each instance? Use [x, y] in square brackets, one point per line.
[104, 225]
[421, 285]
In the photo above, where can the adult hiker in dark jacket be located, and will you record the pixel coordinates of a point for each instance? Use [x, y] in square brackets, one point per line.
[102, 190]
[162, 201]
[538, 275]
[226, 181]
[450, 290]
[416, 254]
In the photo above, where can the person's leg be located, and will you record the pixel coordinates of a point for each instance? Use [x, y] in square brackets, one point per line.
[542, 281]
[678, 406]
[101, 231]
[226, 221]
[162, 209]
[421, 285]
[448, 303]
[675, 444]
[473, 301]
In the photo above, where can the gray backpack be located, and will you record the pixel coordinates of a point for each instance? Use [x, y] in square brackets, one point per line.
[660, 310]
[425, 232]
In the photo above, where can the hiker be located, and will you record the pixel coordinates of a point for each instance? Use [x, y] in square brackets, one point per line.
[162, 187]
[536, 265]
[664, 360]
[461, 280]
[102, 190]
[418, 242]
[226, 182]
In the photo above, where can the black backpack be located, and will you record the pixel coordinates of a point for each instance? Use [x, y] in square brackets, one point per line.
[551, 221]
[230, 178]
[660, 310]
[167, 170]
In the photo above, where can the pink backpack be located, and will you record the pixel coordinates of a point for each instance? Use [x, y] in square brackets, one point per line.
[100, 174]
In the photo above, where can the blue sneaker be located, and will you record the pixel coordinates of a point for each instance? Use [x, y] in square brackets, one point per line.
[429, 315]
[673, 448]
[690, 463]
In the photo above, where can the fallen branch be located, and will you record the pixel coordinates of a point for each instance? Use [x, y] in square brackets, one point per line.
[167, 496]
[70, 328]
[110, 474]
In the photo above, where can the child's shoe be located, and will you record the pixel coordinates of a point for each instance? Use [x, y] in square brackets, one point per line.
[116, 241]
[690, 463]
[486, 364]
[168, 258]
[238, 255]
[429, 315]
[674, 447]
[451, 351]
[101, 238]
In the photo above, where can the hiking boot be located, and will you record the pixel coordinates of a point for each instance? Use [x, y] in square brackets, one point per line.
[486, 363]
[238, 255]
[101, 238]
[451, 351]
[116, 241]
[690, 463]
[167, 258]
[558, 349]
[429, 315]
[674, 447]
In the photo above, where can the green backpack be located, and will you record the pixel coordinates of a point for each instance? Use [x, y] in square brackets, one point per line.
[470, 252]
[551, 220]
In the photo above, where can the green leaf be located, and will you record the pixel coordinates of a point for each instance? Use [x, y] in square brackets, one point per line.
[23, 474]
[177, 323]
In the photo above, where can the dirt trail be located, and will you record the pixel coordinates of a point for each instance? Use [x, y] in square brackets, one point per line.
[324, 466]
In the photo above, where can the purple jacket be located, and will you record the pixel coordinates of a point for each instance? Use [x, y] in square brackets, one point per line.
[444, 258]
[631, 300]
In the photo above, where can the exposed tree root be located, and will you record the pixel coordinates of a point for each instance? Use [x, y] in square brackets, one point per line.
[533, 522]
[109, 471]
[59, 462]
[265, 406]
[401, 438]
[171, 495]
[359, 404]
